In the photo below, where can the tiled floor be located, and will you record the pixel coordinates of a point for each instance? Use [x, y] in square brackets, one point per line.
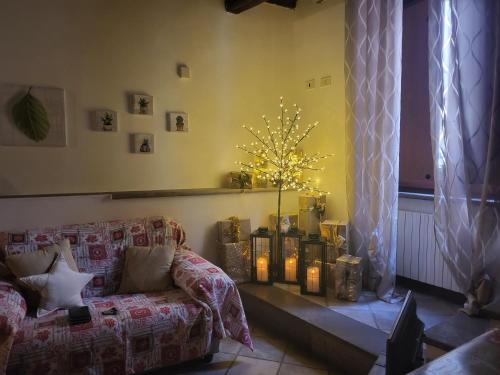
[379, 314]
[272, 356]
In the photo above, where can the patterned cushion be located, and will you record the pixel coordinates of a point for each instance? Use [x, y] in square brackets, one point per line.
[98, 247]
[150, 331]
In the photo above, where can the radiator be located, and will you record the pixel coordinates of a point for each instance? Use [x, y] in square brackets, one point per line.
[418, 257]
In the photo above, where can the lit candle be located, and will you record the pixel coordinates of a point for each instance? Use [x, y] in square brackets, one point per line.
[291, 269]
[313, 279]
[262, 269]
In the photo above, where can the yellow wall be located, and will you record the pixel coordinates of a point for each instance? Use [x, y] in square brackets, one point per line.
[318, 35]
[98, 50]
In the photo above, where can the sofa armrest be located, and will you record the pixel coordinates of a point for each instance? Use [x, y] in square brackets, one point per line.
[12, 308]
[12, 313]
[215, 291]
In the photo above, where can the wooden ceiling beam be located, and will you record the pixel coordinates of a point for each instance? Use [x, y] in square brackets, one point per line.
[284, 3]
[238, 6]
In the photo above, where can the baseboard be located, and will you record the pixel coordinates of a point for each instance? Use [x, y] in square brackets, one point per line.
[436, 291]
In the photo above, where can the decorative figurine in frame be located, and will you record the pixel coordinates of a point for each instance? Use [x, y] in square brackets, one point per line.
[143, 143]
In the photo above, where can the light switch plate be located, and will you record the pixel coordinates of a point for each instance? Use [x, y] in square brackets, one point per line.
[310, 83]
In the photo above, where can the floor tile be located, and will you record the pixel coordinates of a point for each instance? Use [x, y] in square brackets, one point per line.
[265, 348]
[430, 319]
[219, 366]
[436, 306]
[297, 356]
[384, 306]
[385, 319]
[289, 369]
[494, 323]
[228, 345]
[253, 366]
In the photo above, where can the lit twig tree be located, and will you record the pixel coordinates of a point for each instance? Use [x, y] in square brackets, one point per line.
[276, 155]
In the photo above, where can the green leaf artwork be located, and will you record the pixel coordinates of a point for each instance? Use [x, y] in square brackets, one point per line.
[31, 117]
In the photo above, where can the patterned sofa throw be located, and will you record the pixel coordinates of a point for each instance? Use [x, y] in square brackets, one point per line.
[150, 330]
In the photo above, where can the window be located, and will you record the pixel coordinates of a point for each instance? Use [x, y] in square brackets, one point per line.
[416, 166]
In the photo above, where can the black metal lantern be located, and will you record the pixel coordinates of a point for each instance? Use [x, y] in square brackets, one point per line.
[312, 259]
[288, 257]
[262, 256]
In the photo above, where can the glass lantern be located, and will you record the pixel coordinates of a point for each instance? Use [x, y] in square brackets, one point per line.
[288, 260]
[312, 260]
[262, 256]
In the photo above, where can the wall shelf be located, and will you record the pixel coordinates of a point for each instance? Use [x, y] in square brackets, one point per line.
[151, 193]
[186, 192]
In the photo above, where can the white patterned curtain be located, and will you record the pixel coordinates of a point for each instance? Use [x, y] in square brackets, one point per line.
[373, 103]
[464, 54]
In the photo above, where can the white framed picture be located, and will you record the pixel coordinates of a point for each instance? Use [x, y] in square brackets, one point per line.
[177, 122]
[53, 101]
[143, 143]
[141, 104]
[105, 120]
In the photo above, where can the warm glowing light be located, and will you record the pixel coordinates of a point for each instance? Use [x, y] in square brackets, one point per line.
[291, 269]
[312, 279]
[262, 271]
[276, 153]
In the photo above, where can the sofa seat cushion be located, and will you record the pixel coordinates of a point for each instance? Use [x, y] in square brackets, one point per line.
[150, 331]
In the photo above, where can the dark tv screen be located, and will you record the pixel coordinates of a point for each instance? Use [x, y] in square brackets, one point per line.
[404, 345]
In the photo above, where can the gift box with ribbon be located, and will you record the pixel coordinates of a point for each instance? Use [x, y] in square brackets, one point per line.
[312, 208]
[348, 277]
[233, 230]
[336, 233]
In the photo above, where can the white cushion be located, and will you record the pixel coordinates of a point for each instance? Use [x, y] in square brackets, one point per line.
[59, 288]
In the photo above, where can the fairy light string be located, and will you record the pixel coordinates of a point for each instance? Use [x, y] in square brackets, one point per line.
[276, 154]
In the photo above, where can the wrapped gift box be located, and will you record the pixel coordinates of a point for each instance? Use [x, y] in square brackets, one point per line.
[348, 277]
[308, 222]
[234, 177]
[225, 229]
[292, 216]
[336, 233]
[309, 201]
[260, 181]
[333, 252]
[235, 260]
[309, 216]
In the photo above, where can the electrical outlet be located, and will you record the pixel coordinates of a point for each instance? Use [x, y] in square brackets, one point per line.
[310, 83]
[325, 81]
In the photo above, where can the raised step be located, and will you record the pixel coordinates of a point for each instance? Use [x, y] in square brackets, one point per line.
[456, 331]
[344, 342]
